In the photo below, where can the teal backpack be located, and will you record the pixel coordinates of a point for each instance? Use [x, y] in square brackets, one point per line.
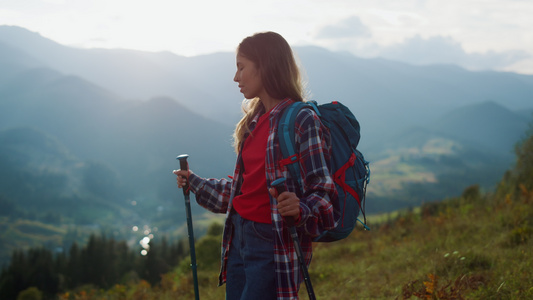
[350, 170]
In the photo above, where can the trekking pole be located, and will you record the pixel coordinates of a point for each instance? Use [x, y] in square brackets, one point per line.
[279, 185]
[185, 166]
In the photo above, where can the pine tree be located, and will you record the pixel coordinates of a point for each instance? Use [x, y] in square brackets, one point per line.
[74, 271]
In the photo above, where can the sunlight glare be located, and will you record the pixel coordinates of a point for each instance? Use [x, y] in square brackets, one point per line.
[145, 243]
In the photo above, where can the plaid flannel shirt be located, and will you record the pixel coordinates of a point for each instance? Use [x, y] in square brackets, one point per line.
[316, 210]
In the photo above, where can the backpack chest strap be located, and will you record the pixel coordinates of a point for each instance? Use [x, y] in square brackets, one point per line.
[289, 160]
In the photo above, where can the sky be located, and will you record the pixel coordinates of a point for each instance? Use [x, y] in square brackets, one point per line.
[474, 34]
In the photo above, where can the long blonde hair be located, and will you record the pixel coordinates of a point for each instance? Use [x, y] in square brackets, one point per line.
[280, 74]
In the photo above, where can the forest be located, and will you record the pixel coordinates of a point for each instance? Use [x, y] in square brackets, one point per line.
[103, 262]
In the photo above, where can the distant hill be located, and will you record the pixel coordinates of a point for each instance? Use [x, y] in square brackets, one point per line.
[138, 140]
[471, 144]
[40, 175]
[376, 89]
[486, 125]
[390, 96]
[202, 83]
[13, 60]
[527, 113]
[134, 111]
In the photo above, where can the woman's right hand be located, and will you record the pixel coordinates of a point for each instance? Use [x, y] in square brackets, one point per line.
[182, 177]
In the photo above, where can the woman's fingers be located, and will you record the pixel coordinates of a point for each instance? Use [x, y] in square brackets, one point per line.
[288, 205]
[181, 178]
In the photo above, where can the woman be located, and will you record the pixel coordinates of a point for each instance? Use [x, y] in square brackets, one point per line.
[258, 258]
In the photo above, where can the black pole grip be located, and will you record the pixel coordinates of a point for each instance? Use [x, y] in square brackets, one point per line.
[183, 161]
[279, 185]
[184, 166]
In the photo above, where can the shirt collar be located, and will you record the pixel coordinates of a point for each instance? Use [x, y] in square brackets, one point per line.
[280, 107]
[273, 112]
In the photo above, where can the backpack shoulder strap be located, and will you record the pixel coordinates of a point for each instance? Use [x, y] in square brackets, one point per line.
[286, 133]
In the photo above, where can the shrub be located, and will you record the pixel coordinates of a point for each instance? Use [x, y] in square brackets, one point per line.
[31, 293]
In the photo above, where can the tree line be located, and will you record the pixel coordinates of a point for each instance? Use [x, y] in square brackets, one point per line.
[102, 262]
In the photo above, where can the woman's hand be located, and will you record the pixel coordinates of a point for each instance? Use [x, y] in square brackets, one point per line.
[288, 204]
[182, 177]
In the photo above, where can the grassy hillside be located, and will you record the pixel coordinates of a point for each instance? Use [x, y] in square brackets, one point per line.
[472, 247]
[476, 246]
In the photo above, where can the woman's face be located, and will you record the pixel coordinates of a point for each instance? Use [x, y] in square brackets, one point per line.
[249, 78]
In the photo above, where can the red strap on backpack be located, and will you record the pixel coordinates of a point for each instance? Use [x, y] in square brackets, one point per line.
[340, 178]
[289, 160]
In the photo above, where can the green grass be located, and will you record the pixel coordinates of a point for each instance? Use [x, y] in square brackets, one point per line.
[462, 248]
[470, 250]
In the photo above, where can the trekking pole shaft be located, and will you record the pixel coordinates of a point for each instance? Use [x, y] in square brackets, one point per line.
[299, 253]
[280, 187]
[184, 166]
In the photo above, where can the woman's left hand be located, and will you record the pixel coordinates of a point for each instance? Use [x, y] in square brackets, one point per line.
[288, 204]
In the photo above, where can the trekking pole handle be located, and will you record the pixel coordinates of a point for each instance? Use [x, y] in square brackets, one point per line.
[279, 185]
[184, 166]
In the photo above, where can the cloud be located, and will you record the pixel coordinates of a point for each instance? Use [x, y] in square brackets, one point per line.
[351, 27]
[416, 50]
[445, 50]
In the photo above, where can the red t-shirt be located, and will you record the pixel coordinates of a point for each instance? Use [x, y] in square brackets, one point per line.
[254, 202]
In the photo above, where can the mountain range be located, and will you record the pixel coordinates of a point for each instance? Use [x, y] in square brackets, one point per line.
[132, 112]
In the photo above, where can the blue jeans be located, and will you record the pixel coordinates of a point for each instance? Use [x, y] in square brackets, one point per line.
[251, 268]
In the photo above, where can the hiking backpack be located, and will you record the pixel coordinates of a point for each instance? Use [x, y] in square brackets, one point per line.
[349, 169]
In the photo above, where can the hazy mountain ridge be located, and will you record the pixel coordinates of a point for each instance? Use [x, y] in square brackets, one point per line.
[204, 83]
[95, 124]
[138, 140]
[89, 100]
[382, 93]
[476, 126]
[487, 125]
[474, 143]
[140, 75]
